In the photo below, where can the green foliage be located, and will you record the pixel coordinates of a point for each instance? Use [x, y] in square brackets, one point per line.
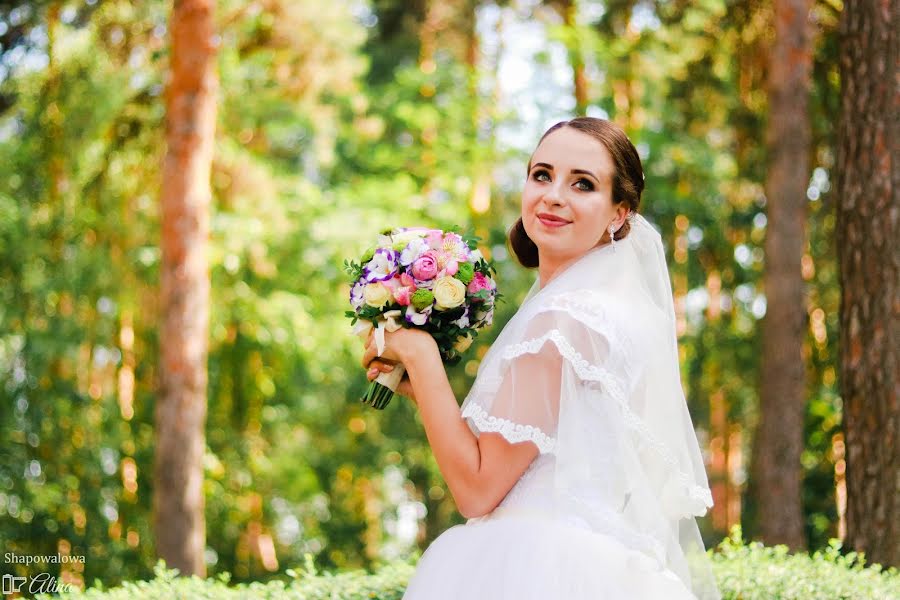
[743, 572]
[388, 583]
[355, 269]
[751, 571]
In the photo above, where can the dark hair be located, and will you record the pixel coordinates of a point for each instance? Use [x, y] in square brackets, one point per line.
[627, 179]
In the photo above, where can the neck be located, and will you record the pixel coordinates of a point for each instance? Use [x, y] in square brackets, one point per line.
[550, 267]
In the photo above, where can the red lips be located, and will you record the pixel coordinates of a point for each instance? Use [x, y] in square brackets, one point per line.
[552, 218]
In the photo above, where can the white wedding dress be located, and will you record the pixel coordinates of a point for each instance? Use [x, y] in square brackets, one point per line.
[587, 371]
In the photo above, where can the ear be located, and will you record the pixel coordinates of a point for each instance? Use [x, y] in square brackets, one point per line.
[621, 213]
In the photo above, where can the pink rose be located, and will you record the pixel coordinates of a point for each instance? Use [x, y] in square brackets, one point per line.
[425, 267]
[401, 295]
[406, 280]
[479, 282]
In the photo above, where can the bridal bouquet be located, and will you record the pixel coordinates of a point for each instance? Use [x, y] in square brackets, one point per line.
[427, 278]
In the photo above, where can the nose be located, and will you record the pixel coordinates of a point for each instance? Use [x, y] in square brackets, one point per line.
[554, 193]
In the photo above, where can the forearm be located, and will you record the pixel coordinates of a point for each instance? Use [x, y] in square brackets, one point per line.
[454, 445]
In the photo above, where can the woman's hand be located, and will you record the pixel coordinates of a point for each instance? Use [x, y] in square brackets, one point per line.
[401, 346]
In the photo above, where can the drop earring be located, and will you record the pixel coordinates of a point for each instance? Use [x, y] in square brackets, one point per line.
[612, 237]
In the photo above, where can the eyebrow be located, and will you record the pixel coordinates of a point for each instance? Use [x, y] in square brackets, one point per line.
[579, 171]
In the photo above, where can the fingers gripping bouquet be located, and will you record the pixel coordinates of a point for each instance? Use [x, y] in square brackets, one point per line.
[427, 278]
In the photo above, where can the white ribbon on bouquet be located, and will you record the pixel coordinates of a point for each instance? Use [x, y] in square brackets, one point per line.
[387, 322]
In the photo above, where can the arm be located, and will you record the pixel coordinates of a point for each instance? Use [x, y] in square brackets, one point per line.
[479, 471]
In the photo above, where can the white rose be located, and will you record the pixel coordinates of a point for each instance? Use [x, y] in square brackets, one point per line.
[376, 294]
[449, 292]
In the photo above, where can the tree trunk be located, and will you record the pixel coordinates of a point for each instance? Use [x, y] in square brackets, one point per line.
[185, 198]
[779, 438]
[568, 10]
[867, 184]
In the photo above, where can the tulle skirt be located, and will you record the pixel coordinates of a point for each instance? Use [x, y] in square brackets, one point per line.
[517, 555]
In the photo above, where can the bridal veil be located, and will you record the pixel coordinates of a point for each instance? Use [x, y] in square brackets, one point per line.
[587, 370]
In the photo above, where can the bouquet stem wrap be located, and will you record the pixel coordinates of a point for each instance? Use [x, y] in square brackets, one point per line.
[385, 385]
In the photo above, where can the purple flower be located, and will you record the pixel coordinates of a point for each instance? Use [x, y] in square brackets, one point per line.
[383, 265]
[423, 284]
[356, 295]
[413, 251]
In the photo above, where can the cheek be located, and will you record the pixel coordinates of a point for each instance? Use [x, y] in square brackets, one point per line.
[529, 202]
[529, 205]
[529, 197]
[591, 219]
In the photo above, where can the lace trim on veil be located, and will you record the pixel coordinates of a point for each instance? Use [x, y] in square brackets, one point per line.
[512, 432]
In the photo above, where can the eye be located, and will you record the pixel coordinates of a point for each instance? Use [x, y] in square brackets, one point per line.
[587, 185]
[540, 173]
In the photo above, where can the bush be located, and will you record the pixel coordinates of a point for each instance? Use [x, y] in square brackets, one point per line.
[756, 572]
[744, 572]
[388, 583]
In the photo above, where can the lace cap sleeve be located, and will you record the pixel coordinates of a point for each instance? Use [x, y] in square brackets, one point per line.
[518, 392]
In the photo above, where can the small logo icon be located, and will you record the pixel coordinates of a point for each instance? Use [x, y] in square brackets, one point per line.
[12, 584]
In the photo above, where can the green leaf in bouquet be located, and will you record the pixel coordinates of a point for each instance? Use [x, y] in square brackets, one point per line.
[472, 242]
[486, 267]
[353, 269]
[471, 239]
[452, 314]
[370, 313]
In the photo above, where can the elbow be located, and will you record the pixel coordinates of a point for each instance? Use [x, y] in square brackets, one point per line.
[476, 496]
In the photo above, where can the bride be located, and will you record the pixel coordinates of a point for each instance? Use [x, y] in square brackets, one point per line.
[573, 457]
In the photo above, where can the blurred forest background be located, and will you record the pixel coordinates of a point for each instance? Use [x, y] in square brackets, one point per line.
[334, 120]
